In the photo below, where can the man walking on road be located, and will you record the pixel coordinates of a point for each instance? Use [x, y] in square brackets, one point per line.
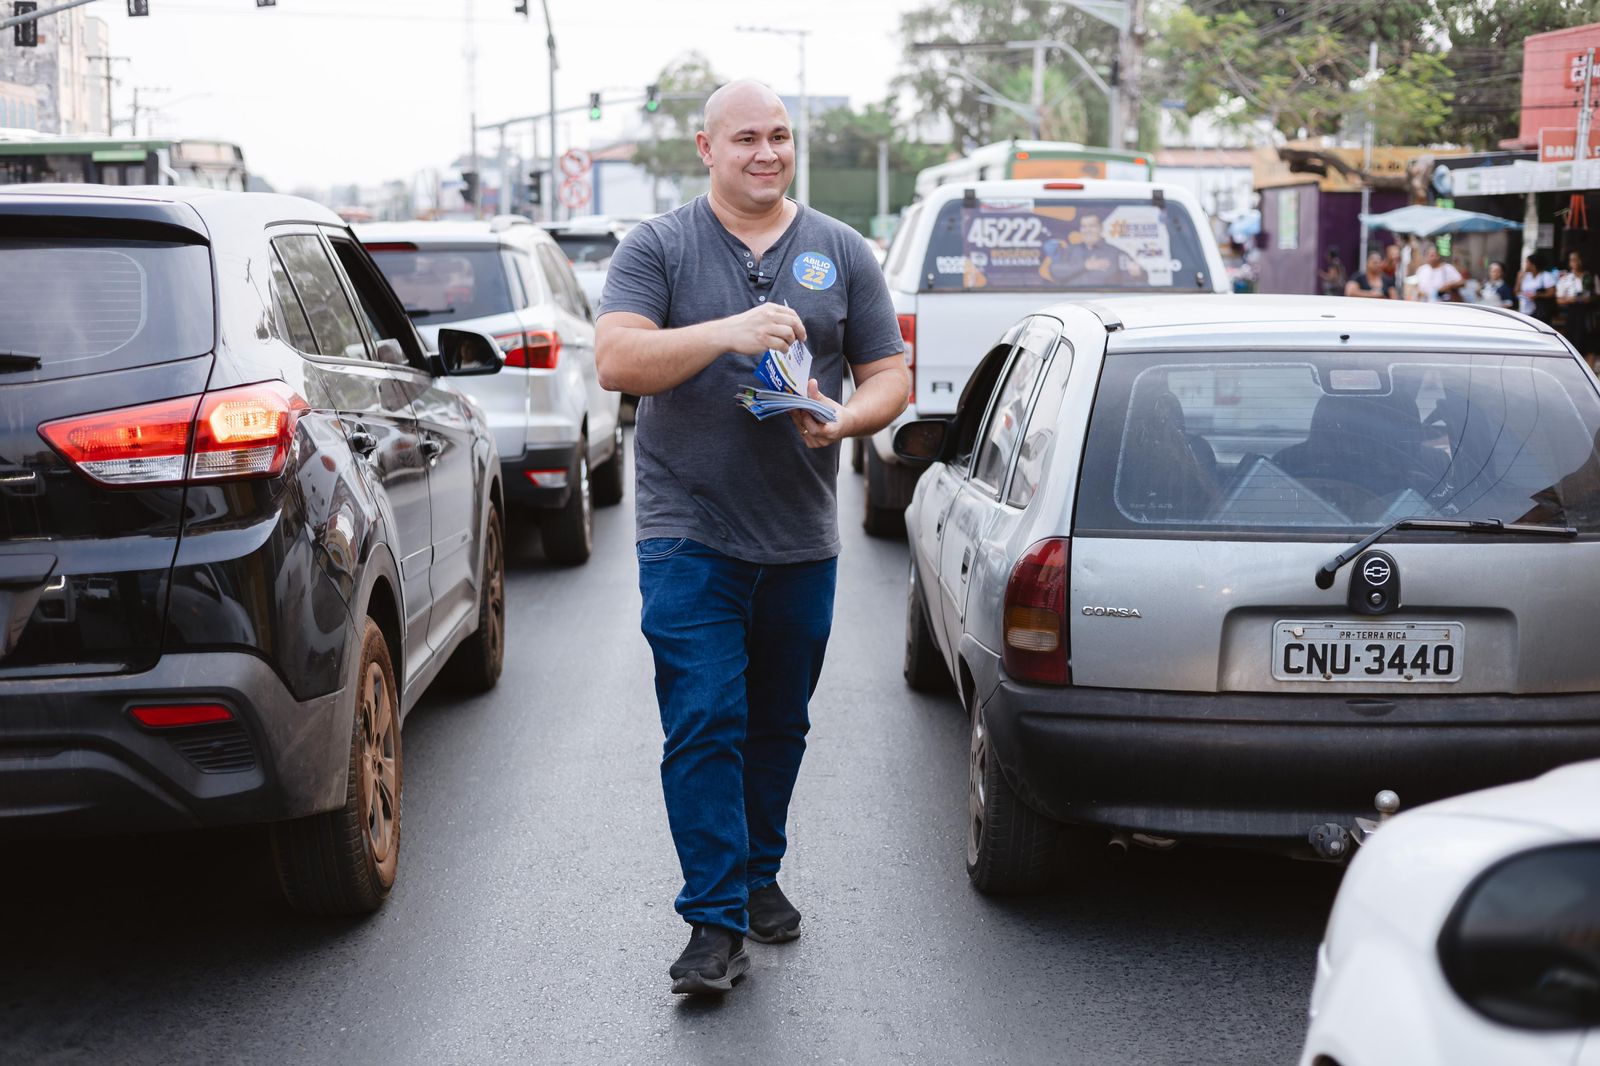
[737, 519]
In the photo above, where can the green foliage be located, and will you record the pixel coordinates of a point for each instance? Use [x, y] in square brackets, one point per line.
[1451, 68]
[930, 77]
[845, 139]
[1485, 39]
[671, 153]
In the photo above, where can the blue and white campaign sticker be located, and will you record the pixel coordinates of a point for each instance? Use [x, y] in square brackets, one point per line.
[815, 270]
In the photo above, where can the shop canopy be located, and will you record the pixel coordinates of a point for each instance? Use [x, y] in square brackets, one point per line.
[1424, 221]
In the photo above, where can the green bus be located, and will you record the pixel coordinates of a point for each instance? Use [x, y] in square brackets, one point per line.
[1038, 159]
[27, 159]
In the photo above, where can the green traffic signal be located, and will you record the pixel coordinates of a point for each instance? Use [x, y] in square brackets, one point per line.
[652, 98]
[594, 107]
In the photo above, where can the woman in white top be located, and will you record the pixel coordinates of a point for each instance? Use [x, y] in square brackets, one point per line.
[1532, 283]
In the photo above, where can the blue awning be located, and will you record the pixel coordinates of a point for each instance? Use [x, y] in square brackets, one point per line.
[1424, 221]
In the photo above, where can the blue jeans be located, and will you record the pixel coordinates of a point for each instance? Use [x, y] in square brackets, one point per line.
[738, 649]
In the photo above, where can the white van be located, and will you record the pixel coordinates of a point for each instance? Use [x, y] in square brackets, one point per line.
[974, 257]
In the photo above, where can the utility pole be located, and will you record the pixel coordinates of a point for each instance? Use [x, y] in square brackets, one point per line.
[1037, 100]
[133, 122]
[471, 53]
[1580, 152]
[108, 60]
[550, 48]
[1131, 51]
[1366, 156]
[803, 128]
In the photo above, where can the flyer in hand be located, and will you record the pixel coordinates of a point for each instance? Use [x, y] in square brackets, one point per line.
[785, 376]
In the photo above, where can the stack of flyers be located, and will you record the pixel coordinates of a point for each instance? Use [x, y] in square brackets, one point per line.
[785, 375]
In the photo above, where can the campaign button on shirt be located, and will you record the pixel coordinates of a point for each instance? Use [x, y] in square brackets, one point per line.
[815, 270]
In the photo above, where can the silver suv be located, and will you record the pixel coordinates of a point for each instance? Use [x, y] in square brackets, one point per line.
[1227, 569]
[557, 430]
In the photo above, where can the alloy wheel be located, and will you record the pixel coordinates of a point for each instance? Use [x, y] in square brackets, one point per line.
[495, 591]
[977, 769]
[380, 780]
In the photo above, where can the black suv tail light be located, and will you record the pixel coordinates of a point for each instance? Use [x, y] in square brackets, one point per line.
[218, 436]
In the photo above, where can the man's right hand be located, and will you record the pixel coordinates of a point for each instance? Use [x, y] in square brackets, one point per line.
[760, 328]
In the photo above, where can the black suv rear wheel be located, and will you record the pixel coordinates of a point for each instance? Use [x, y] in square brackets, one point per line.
[345, 861]
[476, 664]
[610, 480]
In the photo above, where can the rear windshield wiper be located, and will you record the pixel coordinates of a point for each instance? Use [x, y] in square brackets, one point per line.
[1449, 525]
[424, 312]
[20, 361]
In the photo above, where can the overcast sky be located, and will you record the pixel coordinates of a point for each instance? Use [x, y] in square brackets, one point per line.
[326, 91]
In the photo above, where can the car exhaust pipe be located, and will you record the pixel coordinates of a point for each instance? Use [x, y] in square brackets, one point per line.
[1117, 847]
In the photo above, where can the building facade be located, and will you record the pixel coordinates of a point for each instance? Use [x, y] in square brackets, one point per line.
[60, 86]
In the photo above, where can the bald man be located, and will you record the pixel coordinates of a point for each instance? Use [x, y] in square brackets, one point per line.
[738, 532]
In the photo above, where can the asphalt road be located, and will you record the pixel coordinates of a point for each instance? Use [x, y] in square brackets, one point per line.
[533, 920]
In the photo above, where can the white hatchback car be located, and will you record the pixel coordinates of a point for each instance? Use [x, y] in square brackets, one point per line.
[1468, 932]
[974, 256]
[558, 432]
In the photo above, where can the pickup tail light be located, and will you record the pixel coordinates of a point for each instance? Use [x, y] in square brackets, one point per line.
[1036, 615]
[908, 334]
[535, 349]
[217, 436]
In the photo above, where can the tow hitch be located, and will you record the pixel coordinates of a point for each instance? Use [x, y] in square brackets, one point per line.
[1333, 842]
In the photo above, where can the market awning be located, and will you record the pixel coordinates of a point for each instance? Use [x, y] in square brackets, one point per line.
[1424, 221]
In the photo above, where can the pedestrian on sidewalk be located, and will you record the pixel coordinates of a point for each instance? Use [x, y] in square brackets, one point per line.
[1436, 279]
[1374, 283]
[1574, 296]
[737, 536]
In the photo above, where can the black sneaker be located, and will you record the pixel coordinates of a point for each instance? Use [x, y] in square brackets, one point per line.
[773, 918]
[712, 961]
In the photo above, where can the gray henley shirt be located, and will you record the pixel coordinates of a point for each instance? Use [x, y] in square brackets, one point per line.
[705, 468]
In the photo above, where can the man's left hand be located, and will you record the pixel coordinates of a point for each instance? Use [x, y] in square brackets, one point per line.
[815, 432]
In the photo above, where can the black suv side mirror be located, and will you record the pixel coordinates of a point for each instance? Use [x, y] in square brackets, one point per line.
[468, 353]
[923, 441]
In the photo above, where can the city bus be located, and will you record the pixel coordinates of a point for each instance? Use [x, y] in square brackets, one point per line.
[1038, 159]
[30, 158]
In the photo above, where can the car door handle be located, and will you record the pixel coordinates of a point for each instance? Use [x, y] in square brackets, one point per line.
[966, 561]
[431, 448]
[362, 442]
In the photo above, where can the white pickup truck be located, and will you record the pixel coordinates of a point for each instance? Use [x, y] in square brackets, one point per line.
[973, 257]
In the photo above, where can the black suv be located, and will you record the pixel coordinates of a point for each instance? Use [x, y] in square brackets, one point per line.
[247, 520]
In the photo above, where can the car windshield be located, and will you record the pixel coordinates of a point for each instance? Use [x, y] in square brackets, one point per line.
[87, 305]
[441, 285]
[1061, 244]
[1340, 441]
[586, 249]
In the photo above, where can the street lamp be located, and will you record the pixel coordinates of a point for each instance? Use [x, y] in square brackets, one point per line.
[803, 134]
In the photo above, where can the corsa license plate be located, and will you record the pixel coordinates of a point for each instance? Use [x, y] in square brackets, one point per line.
[1416, 652]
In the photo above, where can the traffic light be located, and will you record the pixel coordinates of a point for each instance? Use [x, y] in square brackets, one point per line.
[652, 98]
[535, 195]
[138, 7]
[594, 107]
[469, 186]
[25, 34]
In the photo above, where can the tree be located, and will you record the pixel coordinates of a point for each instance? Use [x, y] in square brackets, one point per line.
[930, 74]
[1485, 38]
[671, 153]
[849, 139]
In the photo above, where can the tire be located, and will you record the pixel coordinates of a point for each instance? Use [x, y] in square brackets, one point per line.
[477, 662]
[610, 479]
[345, 861]
[858, 450]
[877, 519]
[924, 668]
[1011, 848]
[568, 534]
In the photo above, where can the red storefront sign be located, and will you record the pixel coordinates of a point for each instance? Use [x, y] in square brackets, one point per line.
[1561, 145]
[1553, 69]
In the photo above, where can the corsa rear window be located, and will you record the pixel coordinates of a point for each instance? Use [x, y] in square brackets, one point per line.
[1062, 244]
[1338, 442]
[89, 305]
[439, 285]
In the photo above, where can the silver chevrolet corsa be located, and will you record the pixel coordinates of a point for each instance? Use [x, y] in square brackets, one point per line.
[1226, 569]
